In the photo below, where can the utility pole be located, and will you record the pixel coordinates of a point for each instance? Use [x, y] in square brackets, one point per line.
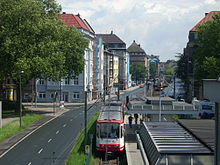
[174, 87]
[85, 115]
[118, 93]
[20, 99]
[104, 89]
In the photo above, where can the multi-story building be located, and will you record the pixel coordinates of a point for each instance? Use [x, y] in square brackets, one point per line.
[71, 90]
[111, 69]
[98, 69]
[116, 46]
[193, 87]
[138, 56]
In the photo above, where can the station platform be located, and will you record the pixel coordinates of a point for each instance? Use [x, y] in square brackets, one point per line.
[133, 154]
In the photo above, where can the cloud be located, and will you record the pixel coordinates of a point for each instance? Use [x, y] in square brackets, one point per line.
[160, 26]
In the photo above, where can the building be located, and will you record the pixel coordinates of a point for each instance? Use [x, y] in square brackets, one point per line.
[98, 69]
[116, 46]
[71, 90]
[138, 56]
[111, 70]
[193, 87]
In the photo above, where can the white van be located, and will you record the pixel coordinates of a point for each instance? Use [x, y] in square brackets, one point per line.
[206, 108]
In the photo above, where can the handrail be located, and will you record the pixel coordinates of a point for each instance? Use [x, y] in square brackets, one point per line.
[140, 144]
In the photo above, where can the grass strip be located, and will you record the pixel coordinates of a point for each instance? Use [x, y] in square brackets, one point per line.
[77, 156]
[14, 127]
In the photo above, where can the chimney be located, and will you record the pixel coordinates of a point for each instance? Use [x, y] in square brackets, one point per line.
[206, 14]
[133, 40]
[139, 45]
[78, 15]
[64, 12]
[111, 32]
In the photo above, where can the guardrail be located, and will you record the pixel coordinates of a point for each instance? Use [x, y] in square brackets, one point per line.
[163, 107]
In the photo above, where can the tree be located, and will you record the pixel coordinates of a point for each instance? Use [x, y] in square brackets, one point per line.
[153, 69]
[208, 53]
[138, 71]
[182, 70]
[33, 40]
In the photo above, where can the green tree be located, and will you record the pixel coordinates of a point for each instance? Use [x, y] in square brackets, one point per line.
[153, 69]
[208, 53]
[33, 40]
[138, 71]
[182, 67]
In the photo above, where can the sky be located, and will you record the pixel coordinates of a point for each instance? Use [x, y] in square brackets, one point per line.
[161, 27]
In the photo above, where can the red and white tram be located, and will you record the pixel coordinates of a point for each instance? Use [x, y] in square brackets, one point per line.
[110, 129]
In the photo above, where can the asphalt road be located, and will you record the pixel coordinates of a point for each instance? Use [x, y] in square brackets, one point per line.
[51, 143]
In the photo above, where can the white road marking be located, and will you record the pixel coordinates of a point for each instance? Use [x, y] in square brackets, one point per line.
[71, 119]
[40, 150]
[57, 132]
[49, 140]
[64, 125]
[29, 163]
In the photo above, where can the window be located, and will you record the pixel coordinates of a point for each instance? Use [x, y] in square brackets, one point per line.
[42, 95]
[76, 81]
[41, 81]
[52, 95]
[67, 81]
[109, 130]
[75, 95]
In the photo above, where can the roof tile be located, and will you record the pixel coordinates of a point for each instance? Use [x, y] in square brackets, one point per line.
[208, 17]
[75, 20]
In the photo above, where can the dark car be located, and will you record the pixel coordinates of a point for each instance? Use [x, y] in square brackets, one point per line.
[141, 86]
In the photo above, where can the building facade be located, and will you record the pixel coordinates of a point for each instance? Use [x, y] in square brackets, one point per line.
[193, 87]
[138, 56]
[71, 90]
[116, 46]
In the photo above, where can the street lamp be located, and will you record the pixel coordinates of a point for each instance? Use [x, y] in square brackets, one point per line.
[85, 113]
[20, 98]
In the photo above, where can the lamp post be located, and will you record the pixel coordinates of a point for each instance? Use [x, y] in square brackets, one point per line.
[20, 98]
[85, 114]
[160, 105]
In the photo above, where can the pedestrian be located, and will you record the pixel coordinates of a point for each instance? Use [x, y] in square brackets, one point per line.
[130, 118]
[136, 117]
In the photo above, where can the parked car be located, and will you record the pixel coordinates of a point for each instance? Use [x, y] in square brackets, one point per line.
[141, 86]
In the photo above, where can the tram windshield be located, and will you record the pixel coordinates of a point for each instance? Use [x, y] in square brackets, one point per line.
[109, 130]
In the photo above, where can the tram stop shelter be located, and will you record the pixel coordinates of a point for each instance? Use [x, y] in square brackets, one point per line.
[169, 143]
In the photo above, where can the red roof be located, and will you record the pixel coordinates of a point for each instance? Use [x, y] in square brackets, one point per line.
[208, 17]
[75, 20]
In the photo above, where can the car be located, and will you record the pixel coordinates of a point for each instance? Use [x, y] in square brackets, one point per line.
[158, 88]
[141, 86]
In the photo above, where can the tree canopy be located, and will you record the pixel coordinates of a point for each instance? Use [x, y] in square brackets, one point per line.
[208, 53]
[33, 40]
[138, 71]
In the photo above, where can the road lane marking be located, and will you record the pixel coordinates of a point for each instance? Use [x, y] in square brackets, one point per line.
[1, 155]
[29, 163]
[71, 119]
[40, 150]
[57, 132]
[64, 125]
[49, 140]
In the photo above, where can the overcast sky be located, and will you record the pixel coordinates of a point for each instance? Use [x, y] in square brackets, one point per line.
[161, 27]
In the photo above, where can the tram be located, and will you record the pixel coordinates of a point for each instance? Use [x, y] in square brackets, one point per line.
[110, 128]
